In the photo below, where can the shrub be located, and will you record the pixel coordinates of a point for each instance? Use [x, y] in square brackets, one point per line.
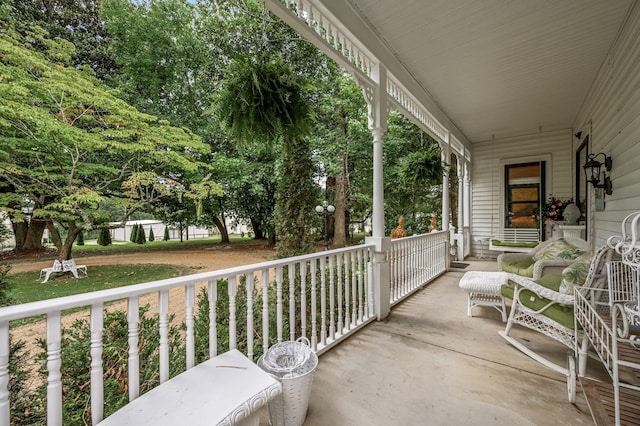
[140, 237]
[166, 234]
[5, 285]
[104, 237]
[80, 239]
[151, 236]
[134, 233]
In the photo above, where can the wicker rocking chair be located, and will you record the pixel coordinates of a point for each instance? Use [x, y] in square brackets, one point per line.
[550, 312]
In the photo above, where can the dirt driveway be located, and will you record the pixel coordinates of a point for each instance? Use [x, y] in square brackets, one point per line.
[208, 259]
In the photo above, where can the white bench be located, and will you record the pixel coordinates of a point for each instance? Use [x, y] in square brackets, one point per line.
[228, 389]
[70, 266]
[512, 237]
[57, 267]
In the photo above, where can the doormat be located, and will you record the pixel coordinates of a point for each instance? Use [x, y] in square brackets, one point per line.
[459, 265]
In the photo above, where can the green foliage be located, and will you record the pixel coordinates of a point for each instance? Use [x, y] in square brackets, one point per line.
[5, 285]
[5, 234]
[104, 237]
[166, 234]
[140, 236]
[68, 143]
[80, 239]
[262, 100]
[151, 236]
[134, 233]
[27, 408]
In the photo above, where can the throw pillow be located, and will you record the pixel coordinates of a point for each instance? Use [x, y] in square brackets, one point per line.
[558, 249]
[575, 274]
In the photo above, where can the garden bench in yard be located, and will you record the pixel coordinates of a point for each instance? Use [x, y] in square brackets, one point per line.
[228, 389]
[70, 266]
[57, 267]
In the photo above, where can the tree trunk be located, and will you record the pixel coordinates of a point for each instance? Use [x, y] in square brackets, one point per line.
[257, 230]
[64, 253]
[224, 234]
[54, 235]
[20, 233]
[33, 240]
[340, 215]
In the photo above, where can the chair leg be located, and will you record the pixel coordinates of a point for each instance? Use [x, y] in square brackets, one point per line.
[469, 306]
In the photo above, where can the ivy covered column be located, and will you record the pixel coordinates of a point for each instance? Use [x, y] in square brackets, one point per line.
[376, 97]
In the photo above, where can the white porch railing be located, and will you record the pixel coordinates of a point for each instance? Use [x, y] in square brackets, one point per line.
[323, 296]
[415, 261]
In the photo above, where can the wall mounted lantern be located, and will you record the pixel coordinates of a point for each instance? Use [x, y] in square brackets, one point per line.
[592, 169]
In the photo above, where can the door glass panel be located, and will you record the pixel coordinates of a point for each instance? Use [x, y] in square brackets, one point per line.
[523, 188]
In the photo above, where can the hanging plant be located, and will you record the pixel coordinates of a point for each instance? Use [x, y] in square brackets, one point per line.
[261, 100]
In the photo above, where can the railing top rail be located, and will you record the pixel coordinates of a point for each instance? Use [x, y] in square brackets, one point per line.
[419, 236]
[42, 307]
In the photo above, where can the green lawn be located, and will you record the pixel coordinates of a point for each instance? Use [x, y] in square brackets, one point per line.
[25, 286]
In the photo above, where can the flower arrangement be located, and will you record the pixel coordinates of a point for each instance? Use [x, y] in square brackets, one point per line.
[551, 211]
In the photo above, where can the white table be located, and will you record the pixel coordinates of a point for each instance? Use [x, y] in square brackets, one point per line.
[228, 389]
[483, 289]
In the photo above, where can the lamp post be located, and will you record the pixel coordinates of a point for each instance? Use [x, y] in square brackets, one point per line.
[325, 210]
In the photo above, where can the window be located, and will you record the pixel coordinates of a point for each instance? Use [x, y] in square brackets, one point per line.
[524, 184]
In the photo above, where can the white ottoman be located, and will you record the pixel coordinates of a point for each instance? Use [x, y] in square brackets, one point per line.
[483, 289]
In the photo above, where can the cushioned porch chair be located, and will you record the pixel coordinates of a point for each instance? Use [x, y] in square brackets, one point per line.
[554, 256]
[546, 305]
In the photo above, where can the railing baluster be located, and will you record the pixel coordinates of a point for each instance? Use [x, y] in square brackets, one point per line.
[189, 302]
[314, 307]
[332, 301]
[339, 294]
[279, 302]
[362, 308]
[213, 329]
[163, 315]
[347, 291]
[265, 310]
[133, 318]
[5, 408]
[354, 289]
[54, 377]
[97, 388]
[292, 301]
[249, 285]
[323, 300]
[303, 299]
[232, 290]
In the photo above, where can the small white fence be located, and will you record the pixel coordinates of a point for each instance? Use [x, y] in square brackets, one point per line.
[415, 261]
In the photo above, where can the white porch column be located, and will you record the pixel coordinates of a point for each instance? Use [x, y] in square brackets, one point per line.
[467, 194]
[446, 159]
[461, 206]
[376, 98]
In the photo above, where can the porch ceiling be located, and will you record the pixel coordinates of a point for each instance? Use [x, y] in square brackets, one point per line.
[500, 67]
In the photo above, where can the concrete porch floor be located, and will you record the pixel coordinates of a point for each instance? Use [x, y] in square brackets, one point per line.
[430, 364]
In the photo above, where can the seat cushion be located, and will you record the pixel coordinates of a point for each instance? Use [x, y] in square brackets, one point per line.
[562, 314]
[522, 267]
[558, 249]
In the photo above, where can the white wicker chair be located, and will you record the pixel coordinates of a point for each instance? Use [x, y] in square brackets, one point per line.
[537, 318]
[547, 266]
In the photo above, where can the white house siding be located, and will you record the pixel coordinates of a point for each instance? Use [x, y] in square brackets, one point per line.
[611, 114]
[489, 158]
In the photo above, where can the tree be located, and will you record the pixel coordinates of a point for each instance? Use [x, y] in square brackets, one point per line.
[67, 143]
[80, 239]
[140, 236]
[166, 234]
[262, 100]
[134, 233]
[151, 236]
[104, 237]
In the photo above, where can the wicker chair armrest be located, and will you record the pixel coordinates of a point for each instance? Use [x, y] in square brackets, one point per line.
[554, 296]
[550, 266]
